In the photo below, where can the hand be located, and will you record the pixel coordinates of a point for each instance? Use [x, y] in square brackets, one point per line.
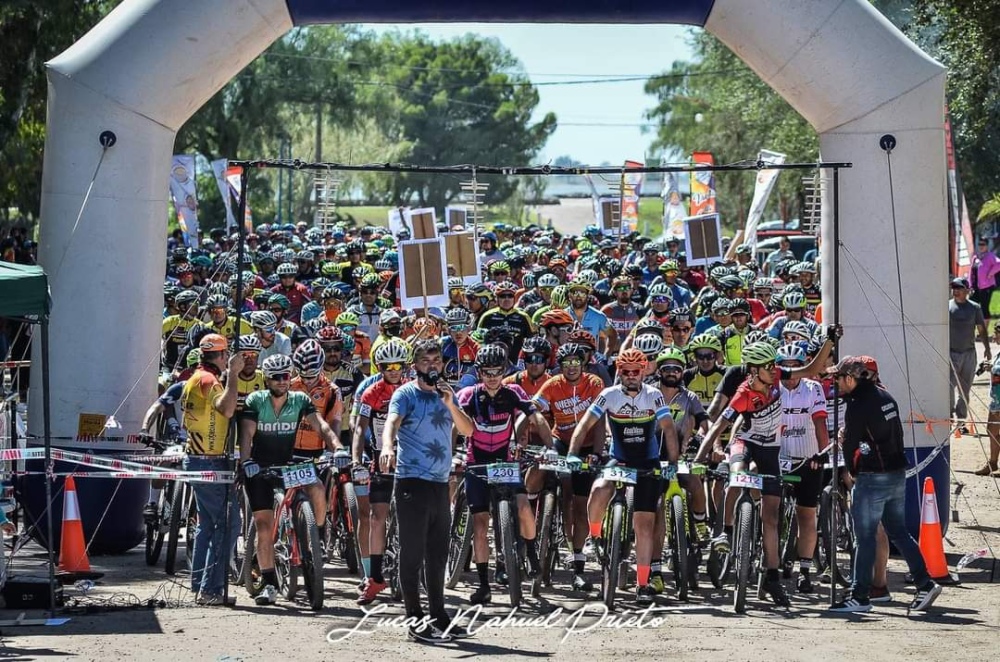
[551, 455]
[387, 459]
[817, 461]
[145, 437]
[236, 363]
[670, 471]
[574, 463]
[341, 459]
[445, 390]
[250, 468]
[360, 474]
[834, 332]
[718, 454]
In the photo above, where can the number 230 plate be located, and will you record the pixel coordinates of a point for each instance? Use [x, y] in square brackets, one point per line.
[503, 473]
[298, 475]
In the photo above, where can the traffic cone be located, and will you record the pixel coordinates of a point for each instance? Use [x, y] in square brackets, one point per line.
[72, 548]
[931, 538]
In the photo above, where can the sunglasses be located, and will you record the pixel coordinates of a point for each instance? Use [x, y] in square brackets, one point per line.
[682, 329]
[492, 372]
[277, 311]
[501, 273]
[368, 291]
[534, 358]
[546, 289]
[280, 377]
[284, 276]
[704, 356]
[659, 299]
[564, 327]
[623, 288]
[571, 363]
[458, 327]
[390, 367]
[265, 329]
[767, 367]
[505, 295]
[630, 373]
[671, 369]
[347, 328]
[456, 290]
[332, 347]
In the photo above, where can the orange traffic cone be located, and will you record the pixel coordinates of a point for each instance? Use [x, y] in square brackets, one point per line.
[931, 538]
[73, 549]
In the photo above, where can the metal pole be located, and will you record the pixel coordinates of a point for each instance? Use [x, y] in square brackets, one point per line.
[835, 451]
[47, 432]
[241, 230]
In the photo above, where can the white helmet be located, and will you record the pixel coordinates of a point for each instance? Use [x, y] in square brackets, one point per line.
[276, 364]
[649, 344]
[393, 351]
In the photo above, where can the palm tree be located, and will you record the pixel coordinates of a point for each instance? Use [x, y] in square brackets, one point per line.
[990, 209]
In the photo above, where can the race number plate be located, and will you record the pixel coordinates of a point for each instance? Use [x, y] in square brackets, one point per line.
[620, 475]
[785, 464]
[750, 481]
[669, 471]
[503, 473]
[558, 464]
[299, 475]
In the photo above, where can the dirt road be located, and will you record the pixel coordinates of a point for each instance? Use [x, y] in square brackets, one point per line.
[962, 624]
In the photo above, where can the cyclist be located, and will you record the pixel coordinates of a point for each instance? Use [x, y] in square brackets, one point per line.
[296, 293]
[493, 407]
[278, 304]
[220, 321]
[366, 307]
[348, 323]
[589, 317]
[634, 411]
[373, 505]
[556, 326]
[681, 327]
[733, 337]
[594, 363]
[535, 355]
[514, 322]
[567, 396]
[803, 437]
[390, 326]
[623, 313]
[660, 302]
[268, 426]
[272, 341]
[340, 370]
[176, 327]
[250, 378]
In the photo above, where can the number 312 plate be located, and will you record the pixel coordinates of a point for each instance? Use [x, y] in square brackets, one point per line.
[620, 475]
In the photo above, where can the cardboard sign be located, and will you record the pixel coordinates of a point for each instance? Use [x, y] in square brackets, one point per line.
[91, 425]
[611, 216]
[423, 271]
[396, 224]
[421, 223]
[702, 239]
[462, 256]
[456, 216]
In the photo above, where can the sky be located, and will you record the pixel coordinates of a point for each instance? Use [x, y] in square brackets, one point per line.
[597, 123]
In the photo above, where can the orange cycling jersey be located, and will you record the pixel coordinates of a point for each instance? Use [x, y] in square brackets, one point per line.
[530, 386]
[325, 397]
[568, 402]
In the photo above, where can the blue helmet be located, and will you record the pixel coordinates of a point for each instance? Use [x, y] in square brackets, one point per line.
[791, 352]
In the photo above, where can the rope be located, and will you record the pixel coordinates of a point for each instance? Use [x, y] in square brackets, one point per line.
[83, 206]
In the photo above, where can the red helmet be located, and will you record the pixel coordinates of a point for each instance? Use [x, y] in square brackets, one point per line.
[632, 359]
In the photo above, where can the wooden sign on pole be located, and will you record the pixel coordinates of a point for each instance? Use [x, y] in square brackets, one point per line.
[422, 223]
[610, 216]
[462, 256]
[456, 216]
[702, 239]
[423, 273]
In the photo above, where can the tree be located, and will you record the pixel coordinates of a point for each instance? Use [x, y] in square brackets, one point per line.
[716, 103]
[31, 33]
[462, 101]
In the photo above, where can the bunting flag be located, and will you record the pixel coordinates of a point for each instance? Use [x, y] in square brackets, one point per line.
[630, 197]
[595, 198]
[233, 176]
[702, 185]
[184, 193]
[761, 191]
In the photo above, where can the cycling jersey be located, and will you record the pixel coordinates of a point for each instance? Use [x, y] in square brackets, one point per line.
[347, 378]
[374, 405]
[459, 360]
[367, 319]
[593, 320]
[326, 399]
[800, 407]
[275, 436]
[568, 402]
[832, 403]
[206, 426]
[493, 417]
[703, 385]
[686, 410]
[171, 402]
[226, 328]
[513, 322]
[633, 421]
[527, 384]
[732, 344]
[245, 387]
[813, 297]
[297, 295]
[622, 317]
[761, 412]
[175, 330]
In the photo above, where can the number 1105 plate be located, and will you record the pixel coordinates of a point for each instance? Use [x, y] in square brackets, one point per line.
[298, 475]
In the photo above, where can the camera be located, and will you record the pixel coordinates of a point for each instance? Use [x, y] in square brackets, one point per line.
[983, 367]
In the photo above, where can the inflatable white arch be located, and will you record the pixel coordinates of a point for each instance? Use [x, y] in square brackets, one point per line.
[150, 64]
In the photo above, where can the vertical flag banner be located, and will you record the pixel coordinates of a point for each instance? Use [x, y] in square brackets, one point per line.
[183, 192]
[674, 207]
[960, 229]
[219, 167]
[630, 197]
[233, 175]
[595, 197]
[761, 192]
[702, 186]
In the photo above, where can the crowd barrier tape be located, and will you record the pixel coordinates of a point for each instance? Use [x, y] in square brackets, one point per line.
[118, 468]
[184, 476]
[129, 439]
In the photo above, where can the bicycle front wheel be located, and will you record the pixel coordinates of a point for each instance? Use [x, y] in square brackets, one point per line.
[310, 554]
[460, 542]
[352, 548]
[156, 530]
[744, 545]
[544, 528]
[174, 527]
[505, 514]
[679, 546]
[613, 561]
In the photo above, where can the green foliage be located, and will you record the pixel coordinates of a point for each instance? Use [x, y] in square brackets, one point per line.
[715, 103]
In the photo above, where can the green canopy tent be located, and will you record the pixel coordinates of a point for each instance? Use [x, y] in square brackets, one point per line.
[24, 296]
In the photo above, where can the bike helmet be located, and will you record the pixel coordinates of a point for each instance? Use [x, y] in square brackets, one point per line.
[583, 337]
[370, 281]
[330, 334]
[661, 289]
[560, 297]
[587, 277]
[287, 269]
[548, 280]
[706, 341]
[721, 304]
[632, 359]
[393, 351]
[763, 283]
[759, 353]
[193, 358]
[793, 300]
[276, 364]
[648, 325]
[389, 317]
[250, 343]
[649, 344]
[671, 354]
[263, 319]
[213, 342]
[347, 318]
[491, 356]
[536, 345]
[568, 350]
[669, 265]
[218, 301]
[730, 282]
[556, 317]
[457, 316]
[499, 265]
[528, 281]
[739, 305]
[185, 299]
[791, 352]
[797, 328]
[682, 314]
[308, 358]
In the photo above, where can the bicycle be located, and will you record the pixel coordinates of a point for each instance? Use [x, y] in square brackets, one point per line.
[157, 525]
[460, 531]
[683, 546]
[837, 500]
[390, 557]
[549, 524]
[295, 534]
[342, 517]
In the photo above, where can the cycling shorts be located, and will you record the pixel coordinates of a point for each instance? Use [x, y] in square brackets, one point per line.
[766, 458]
[581, 482]
[807, 490]
[260, 492]
[647, 490]
[477, 490]
[380, 488]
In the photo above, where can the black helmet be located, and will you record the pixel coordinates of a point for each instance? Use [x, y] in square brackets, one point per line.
[491, 356]
[570, 349]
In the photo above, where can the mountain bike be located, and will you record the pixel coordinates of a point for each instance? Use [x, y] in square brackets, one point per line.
[183, 515]
[390, 557]
[295, 534]
[835, 502]
[683, 547]
[460, 532]
[342, 517]
[548, 521]
[158, 524]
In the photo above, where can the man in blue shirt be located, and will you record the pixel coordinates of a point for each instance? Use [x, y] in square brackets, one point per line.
[590, 318]
[421, 416]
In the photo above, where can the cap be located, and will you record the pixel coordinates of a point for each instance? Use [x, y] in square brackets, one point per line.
[870, 363]
[213, 342]
[960, 282]
[855, 366]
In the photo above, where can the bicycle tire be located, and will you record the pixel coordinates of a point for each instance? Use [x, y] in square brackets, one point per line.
[174, 528]
[390, 557]
[789, 542]
[252, 579]
[237, 559]
[744, 544]
[310, 554]
[544, 529]
[330, 517]
[679, 545]
[191, 523]
[352, 548]
[612, 567]
[840, 570]
[155, 533]
[505, 514]
[460, 542]
[287, 573]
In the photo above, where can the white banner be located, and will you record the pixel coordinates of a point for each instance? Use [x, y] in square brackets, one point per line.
[761, 191]
[184, 193]
[675, 210]
[219, 167]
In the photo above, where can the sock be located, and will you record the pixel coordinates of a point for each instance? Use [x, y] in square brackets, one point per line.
[532, 550]
[772, 574]
[483, 570]
[376, 566]
[595, 529]
[642, 575]
[578, 560]
[805, 565]
[366, 563]
[656, 567]
[269, 577]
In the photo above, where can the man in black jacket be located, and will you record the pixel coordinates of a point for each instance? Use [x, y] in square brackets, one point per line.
[873, 449]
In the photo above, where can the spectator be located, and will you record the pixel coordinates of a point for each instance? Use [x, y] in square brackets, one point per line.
[784, 252]
[965, 317]
[985, 267]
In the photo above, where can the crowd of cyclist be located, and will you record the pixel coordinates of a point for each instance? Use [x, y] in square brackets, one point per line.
[599, 350]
